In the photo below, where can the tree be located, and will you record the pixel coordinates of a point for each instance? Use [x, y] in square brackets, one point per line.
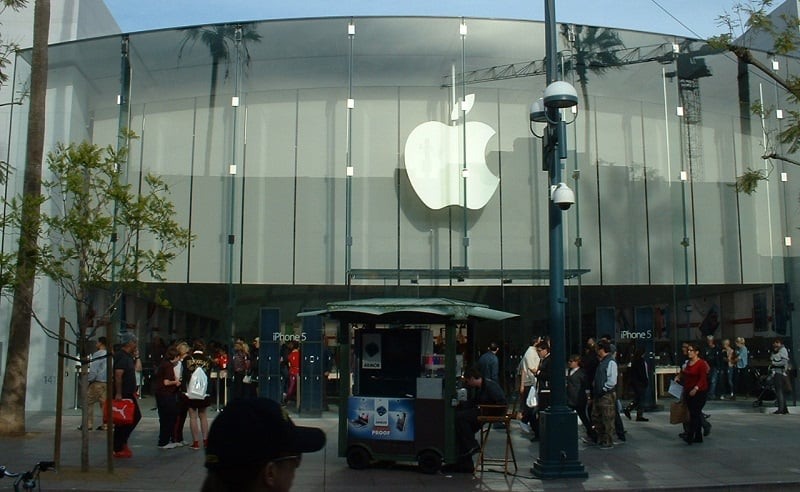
[744, 23]
[100, 236]
[15, 380]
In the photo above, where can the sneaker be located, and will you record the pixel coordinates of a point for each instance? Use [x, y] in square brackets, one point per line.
[80, 427]
[169, 445]
[526, 428]
[125, 453]
[101, 428]
[195, 446]
[606, 446]
[618, 443]
[588, 441]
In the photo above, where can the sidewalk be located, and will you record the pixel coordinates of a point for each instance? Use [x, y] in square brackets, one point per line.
[748, 448]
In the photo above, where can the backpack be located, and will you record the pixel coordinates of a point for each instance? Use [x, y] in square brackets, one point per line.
[198, 384]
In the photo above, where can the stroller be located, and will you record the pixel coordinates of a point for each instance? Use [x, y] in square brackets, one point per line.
[764, 385]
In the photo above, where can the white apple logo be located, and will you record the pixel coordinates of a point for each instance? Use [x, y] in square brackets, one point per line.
[434, 159]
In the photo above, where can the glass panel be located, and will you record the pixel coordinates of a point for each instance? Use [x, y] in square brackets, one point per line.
[269, 202]
[320, 186]
[375, 199]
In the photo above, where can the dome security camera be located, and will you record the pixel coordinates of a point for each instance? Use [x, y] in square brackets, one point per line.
[563, 196]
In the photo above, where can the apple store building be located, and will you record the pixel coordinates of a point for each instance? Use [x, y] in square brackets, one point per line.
[320, 160]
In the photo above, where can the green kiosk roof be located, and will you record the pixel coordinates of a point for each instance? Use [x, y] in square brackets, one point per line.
[409, 310]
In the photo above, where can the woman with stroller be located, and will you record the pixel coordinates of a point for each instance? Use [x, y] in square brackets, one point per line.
[695, 391]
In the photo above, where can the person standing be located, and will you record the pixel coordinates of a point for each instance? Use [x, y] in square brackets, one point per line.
[604, 395]
[255, 353]
[98, 376]
[713, 357]
[542, 385]
[578, 395]
[527, 373]
[294, 372]
[639, 382]
[742, 362]
[241, 367]
[182, 409]
[488, 364]
[125, 387]
[167, 387]
[695, 391]
[778, 364]
[198, 417]
[730, 355]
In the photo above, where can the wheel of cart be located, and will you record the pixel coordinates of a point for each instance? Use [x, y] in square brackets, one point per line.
[358, 457]
[429, 461]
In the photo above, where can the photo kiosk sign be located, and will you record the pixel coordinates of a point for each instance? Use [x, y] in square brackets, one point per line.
[380, 419]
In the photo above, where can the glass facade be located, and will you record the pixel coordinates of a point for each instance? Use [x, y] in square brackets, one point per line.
[285, 142]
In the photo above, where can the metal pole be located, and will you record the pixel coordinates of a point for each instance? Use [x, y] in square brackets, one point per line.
[558, 447]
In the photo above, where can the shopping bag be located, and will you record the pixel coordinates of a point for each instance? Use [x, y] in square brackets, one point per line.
[531, 401]
[121, 411]
[678, 412]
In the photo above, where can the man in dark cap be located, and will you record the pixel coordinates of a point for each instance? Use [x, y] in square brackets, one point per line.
[125, 388]
[254, 446]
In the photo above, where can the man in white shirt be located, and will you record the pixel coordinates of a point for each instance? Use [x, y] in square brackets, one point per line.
[98, 377]
[527, 372]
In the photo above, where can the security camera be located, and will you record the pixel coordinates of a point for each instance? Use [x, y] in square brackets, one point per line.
[563, 196]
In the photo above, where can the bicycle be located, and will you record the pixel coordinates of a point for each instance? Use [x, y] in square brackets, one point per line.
[28, 480]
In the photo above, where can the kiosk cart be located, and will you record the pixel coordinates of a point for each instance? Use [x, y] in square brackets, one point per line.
[397, 397]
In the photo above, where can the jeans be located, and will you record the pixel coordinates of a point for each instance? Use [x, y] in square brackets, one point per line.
[778, 379]
[731, 381]
[713, 377]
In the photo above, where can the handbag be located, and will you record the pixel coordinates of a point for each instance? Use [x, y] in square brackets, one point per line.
[678, 412]
[121, 412]
[247, 379]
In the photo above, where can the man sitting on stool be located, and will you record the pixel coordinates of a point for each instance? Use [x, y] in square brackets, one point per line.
[486, 392]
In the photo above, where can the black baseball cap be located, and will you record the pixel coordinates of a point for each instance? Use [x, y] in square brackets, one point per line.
[250, 432]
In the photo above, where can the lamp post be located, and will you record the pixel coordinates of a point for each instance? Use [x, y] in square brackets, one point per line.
[558, 445]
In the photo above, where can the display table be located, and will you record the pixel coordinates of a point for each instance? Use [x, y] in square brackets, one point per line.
[663, 376]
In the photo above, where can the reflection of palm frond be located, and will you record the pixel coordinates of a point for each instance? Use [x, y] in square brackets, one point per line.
[594, 50]
[5, 170]
[220, 40]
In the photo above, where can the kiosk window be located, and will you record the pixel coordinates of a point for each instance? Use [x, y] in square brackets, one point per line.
[389, 362]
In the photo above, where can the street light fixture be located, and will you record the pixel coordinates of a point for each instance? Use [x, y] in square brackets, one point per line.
[558, 445]
[560, 94]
